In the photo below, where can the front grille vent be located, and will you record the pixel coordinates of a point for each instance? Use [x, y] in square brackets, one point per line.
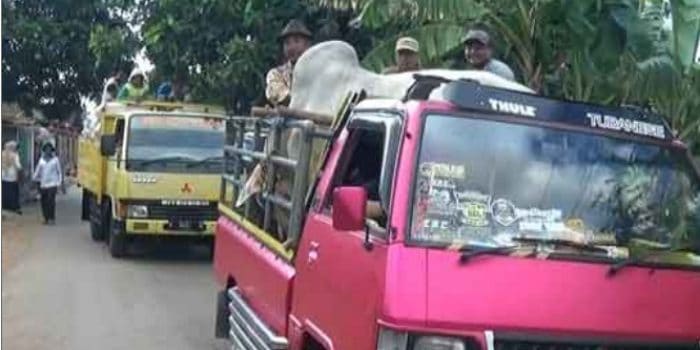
[510, 344]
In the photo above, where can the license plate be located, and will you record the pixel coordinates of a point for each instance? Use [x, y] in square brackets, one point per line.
[185, 225]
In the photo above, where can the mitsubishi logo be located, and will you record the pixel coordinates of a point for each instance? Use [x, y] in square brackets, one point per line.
[186, 188]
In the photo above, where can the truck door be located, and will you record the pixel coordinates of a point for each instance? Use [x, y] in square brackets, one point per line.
[339, 282]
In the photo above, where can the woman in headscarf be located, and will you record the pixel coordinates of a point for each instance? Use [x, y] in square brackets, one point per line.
[11, 167]
[136, 88]
[49, 175]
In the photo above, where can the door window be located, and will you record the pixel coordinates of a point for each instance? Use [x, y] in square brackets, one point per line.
[361, 165]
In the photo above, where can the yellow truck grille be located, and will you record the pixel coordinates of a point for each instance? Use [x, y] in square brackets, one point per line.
[199, 213]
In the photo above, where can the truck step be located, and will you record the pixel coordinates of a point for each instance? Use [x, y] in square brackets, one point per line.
[247, 330]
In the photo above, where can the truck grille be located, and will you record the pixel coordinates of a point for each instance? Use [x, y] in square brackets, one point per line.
[502, 344]
[195, 213]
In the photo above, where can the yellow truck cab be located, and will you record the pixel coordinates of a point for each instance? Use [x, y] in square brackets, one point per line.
[151, 169]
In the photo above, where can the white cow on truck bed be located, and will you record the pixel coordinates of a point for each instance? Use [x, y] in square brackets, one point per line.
[328, 71]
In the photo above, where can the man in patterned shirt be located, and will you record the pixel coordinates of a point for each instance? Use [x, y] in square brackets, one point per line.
[295, 38]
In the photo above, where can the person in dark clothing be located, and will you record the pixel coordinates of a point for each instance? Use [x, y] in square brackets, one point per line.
[49, 175]
[365, 169]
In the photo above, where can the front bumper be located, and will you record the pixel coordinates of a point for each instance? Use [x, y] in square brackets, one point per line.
[164, 227]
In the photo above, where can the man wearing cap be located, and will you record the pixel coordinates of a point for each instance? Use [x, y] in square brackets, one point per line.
[407, 56]
[478, 50]
[296, 38]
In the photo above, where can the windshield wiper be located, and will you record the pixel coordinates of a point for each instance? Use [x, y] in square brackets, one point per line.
[470, 252]
[203, 161]
[165, 159]
[561, 242]
[641, 258]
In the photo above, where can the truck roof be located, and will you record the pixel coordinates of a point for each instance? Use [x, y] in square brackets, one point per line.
[484, 97]
[163, 107]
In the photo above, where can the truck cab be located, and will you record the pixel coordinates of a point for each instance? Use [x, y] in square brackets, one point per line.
[152, 169]
[506, 221]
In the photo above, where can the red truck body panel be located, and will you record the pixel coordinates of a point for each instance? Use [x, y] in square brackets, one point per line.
[264, 279]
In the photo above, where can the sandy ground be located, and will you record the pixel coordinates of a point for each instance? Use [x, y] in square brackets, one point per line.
[61, 290]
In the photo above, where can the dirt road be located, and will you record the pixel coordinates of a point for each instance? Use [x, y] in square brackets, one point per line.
[61, 290]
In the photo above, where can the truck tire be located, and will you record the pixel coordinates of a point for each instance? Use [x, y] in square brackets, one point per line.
[97, 231]
[221, 325]
[117, 238]
[85, 208]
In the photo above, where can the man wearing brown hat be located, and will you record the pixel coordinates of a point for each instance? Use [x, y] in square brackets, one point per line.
[295, 38]
[478, 50]
[407, 56]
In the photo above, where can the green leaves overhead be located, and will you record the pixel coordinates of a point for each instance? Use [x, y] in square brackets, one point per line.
[686, 30]
[54, 51]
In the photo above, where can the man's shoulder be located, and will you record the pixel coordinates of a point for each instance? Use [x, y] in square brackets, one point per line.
[282, 68]
[500, 68]
[390, 70]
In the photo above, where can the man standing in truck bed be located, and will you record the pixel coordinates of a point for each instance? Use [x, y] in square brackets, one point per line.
[295, 38]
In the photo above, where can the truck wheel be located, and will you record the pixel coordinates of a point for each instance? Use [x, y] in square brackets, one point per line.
[96, 228]
[221, 325]
[96, 232]
[117, 240]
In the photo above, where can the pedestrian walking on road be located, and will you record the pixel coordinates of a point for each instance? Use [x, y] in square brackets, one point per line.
[11, 168]
[49, 175]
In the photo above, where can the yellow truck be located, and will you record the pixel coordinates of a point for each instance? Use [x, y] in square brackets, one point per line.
[151, 169]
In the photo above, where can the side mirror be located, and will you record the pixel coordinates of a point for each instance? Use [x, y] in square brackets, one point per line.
[108, 145]
[349, 205]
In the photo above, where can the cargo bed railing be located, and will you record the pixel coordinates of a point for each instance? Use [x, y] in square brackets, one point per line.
[268, 133]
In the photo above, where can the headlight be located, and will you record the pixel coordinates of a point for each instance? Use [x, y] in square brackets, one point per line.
[394, 340]
[137, 211]
[438, 343]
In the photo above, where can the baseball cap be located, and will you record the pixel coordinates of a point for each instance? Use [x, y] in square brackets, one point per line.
[476, 35]
[407, 43]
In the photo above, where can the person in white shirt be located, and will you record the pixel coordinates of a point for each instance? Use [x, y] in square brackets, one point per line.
[49, 175]
[11, 167]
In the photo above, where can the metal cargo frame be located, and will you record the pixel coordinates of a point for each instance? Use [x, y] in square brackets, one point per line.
[267, 147]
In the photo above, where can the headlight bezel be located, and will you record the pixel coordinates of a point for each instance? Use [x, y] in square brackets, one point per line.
[390, 339]
[137, 211]
[448, 342]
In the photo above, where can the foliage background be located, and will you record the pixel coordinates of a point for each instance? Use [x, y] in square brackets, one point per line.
[603, 51]
[55, 51]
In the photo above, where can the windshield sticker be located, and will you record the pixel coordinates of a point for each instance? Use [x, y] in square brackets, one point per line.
[627, 125]
[443, 170]
[475, 214]
[503, 212]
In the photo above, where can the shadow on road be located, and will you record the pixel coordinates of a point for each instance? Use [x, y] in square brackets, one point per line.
[168, 250]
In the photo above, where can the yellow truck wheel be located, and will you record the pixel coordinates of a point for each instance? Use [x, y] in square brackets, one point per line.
[117, 238]
[94, 217]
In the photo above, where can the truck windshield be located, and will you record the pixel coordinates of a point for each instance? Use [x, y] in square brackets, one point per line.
[182, 144]
[488, 183]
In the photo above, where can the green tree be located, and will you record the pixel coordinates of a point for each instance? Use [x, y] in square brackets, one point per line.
[55, 51]
[604, 51]
[226, 47]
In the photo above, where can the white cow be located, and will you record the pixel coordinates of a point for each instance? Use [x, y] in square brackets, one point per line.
[328, 71]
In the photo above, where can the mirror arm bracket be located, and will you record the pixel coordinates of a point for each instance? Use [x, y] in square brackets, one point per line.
[367, 243]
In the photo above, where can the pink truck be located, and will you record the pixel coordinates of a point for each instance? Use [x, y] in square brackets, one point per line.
[489, 219]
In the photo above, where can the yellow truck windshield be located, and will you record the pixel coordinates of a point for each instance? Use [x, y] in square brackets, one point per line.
[176, 144]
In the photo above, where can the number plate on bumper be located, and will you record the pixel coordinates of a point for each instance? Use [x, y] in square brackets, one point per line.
[185, 225]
